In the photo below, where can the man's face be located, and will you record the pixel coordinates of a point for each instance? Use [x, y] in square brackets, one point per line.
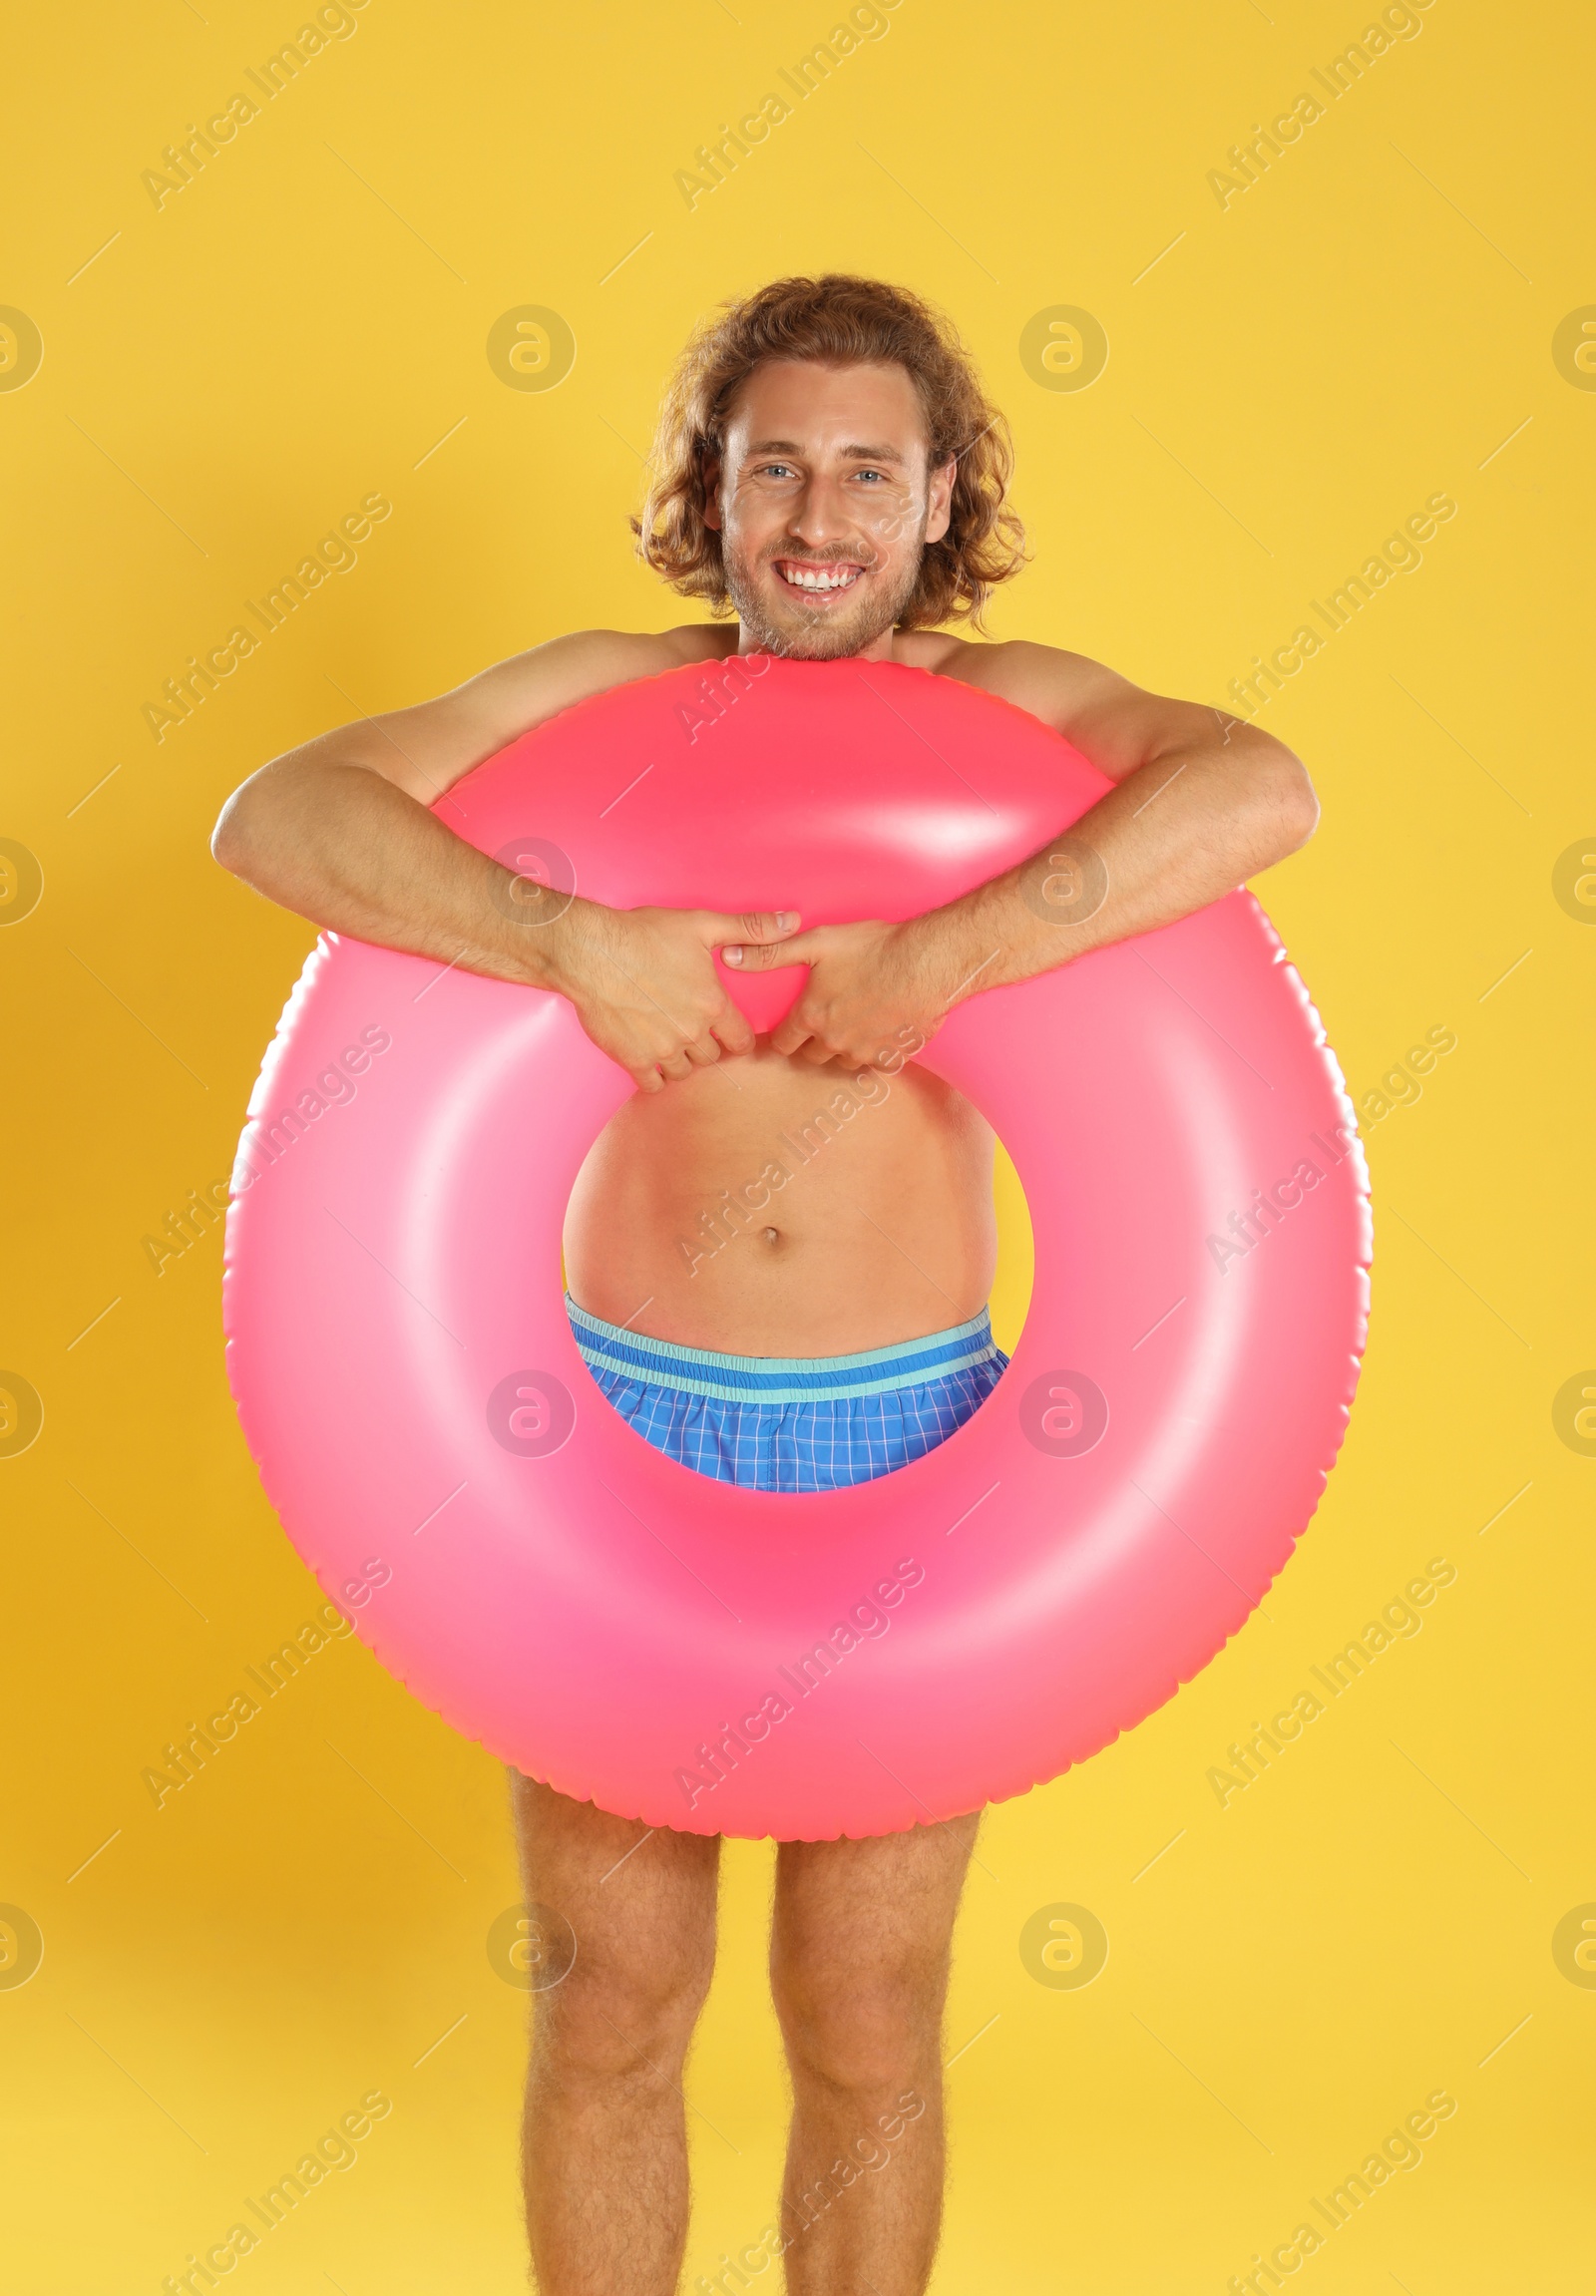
[825, 505]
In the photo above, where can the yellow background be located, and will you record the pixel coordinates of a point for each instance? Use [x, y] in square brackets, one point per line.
[224, 380]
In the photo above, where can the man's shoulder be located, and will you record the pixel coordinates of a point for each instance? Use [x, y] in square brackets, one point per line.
[637, 653]
[523, 691]
[588, 660]
[1044, 680]
[426, 747]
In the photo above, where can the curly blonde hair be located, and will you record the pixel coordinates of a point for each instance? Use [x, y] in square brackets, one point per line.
[847, 321]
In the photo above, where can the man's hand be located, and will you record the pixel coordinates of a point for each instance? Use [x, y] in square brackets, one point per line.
[645, 984]
[869, 986]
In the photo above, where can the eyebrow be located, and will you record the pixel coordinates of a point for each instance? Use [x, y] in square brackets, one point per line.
[859, 454]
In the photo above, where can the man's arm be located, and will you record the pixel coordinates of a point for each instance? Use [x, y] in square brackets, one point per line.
[339, 831]
[1201, 803]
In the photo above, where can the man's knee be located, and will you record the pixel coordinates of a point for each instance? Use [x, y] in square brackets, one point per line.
[629, 2004]
[644, 1927]
[871, 2033]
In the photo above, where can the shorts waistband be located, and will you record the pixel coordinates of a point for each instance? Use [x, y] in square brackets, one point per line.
[781, 1378]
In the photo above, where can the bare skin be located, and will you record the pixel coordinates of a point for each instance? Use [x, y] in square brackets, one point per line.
[872, 1227]
[859, 1961]
[886, 1234]
[858, 1965]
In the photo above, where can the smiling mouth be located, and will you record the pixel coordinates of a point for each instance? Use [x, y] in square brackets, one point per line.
[820, 582]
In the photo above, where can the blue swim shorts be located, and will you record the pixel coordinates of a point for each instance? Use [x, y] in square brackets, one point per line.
[793, 1424]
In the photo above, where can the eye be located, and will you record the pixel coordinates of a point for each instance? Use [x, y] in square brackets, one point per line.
[868, 474]
[775, 470]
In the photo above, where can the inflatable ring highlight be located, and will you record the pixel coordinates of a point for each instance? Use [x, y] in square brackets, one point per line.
[854, 1662]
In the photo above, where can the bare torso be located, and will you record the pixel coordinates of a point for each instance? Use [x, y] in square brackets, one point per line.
[771, 1206]
[751, 1210]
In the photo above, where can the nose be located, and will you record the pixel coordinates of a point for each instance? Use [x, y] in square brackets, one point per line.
[821, 516]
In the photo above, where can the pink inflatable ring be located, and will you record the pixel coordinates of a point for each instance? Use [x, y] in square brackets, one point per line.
[724, 1660]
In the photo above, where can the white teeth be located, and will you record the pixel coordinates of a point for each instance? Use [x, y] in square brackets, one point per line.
[803, 579]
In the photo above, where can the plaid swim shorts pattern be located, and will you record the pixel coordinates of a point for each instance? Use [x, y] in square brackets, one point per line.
[793, 1424]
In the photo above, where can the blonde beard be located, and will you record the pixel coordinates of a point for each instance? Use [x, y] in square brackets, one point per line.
[830, 642]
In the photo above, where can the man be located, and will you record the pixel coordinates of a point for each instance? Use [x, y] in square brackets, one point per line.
[828, 467]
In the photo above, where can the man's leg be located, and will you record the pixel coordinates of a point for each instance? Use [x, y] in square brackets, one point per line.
[860, 1946]
[605, 2147]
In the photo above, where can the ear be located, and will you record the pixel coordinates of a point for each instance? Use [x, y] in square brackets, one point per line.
[939, 494]
[710, 466]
